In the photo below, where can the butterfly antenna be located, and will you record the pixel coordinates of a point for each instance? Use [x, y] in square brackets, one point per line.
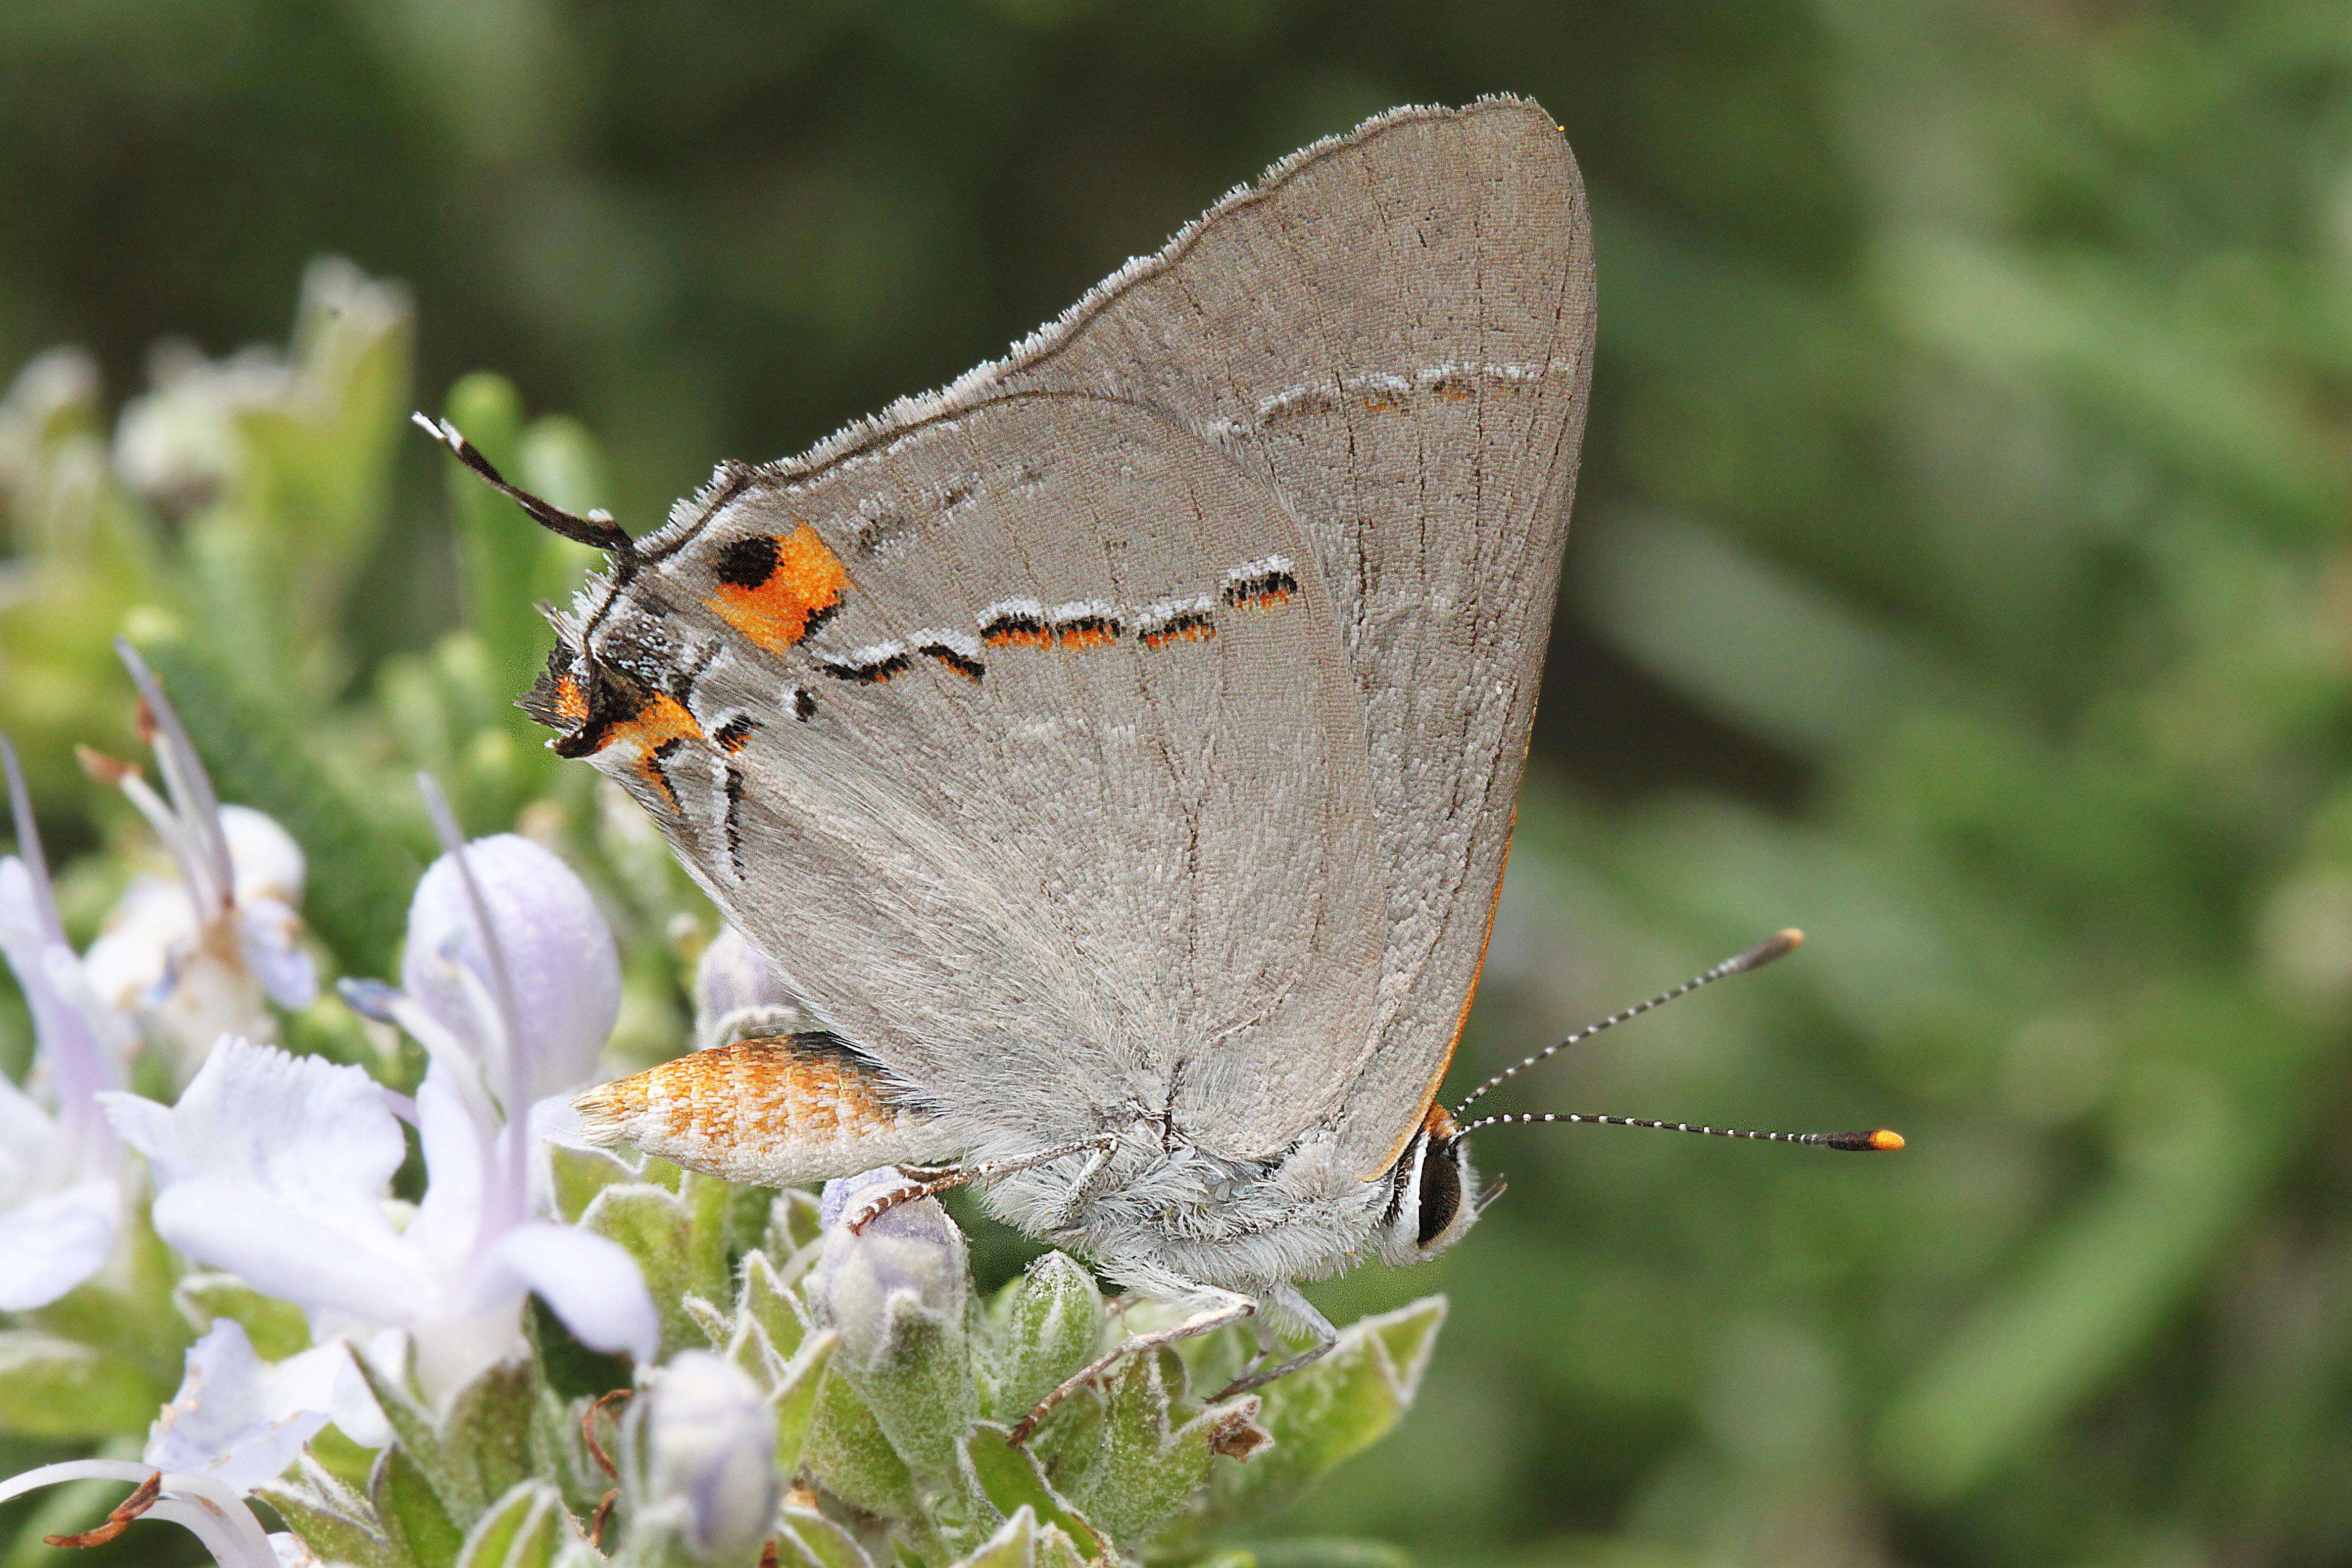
[1778, 945]
[596, 529]
[1876, 1139]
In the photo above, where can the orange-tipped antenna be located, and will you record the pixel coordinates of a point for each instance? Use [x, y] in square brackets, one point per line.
[1873, 1141]
[1778, 945]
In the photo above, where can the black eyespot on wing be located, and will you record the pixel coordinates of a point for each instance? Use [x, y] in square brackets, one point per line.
[748, 562]
[803, 704]
[731, 735]
[1441, 1190]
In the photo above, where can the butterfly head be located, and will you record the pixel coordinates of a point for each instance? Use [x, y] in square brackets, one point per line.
[1434, 1192]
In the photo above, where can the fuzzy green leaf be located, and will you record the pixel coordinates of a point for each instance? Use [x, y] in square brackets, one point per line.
[524, 1529]
[487, 1437]
[410, 1512]
[809, 1539]
[765, 1300]
[1149, 1461]
[796, 1398]
[1048, 1325]
[1014, 1544]
[1325, 1413]
[848, 1452]
[918, 1384]
[332, 1519]
[1010, 1480]
[657, 1230]
[579, 1174]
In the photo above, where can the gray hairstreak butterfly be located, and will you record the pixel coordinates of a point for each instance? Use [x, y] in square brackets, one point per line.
[1118, 750]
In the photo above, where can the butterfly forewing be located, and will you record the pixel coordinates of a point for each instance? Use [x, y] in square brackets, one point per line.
[1396, 329]
[1047, 717]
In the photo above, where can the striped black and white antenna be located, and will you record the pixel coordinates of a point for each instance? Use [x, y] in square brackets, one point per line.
[1779, 944]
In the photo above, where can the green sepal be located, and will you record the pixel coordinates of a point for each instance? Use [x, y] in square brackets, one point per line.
[580, 1174]
[848, 1452]
[1014, 1544]
[52, 1387]
[918, 1384]
[410, 1512]
[1047, 1324]
[809, 1539]
[797, 1399]
[657, 1229]
[1010, 1480]
[794, 1222]
[1325, 1413]
[527, 1528]
[331, 1516]
[1149, 1460]
[764, 1298]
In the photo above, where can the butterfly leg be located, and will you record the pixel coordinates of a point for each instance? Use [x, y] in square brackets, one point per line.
[1257, 1375]
[929, 1181]
[1225, 1308]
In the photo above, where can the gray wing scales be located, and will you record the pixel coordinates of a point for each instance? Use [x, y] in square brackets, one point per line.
[1077, 820]
[1372, 367]
[1396, 329]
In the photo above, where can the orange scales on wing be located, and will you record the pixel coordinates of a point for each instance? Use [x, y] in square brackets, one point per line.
[776, 589]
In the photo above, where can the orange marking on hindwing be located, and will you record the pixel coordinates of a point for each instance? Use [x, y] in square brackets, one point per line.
[748, 1110]
[777, 589]
[659, 730]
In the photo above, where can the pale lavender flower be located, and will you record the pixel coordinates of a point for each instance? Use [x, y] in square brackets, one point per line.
[273, 1168]
[702, 1454]
[739, 993]
[61, 1196]
[909, 1257]
[191, 957]
[242, 1420]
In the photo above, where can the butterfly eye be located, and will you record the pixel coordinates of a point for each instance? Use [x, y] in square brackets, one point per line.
[1441, 1190]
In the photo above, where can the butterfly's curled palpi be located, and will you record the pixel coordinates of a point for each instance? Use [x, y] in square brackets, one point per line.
[1142, 715]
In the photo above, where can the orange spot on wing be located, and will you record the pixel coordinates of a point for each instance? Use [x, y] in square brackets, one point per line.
[657, 729]
[805, 586]
[570, 701]
[1020, 638]
[1087, 637]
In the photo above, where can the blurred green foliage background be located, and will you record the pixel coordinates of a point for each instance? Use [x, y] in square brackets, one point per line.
[1960, 572]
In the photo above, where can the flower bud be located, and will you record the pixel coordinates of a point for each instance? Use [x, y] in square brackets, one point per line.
[907, 1257]
[740, 995]
[559, 957]
[705, 1461]
[896, 1291]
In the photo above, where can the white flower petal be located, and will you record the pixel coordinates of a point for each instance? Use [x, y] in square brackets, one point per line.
[235, 1417]
[315, 1133]
[450, 1216]
[267, 862]
[589, 1282]
[559, 954]
[269, 937]
[318, 1261]
[54, 1242]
